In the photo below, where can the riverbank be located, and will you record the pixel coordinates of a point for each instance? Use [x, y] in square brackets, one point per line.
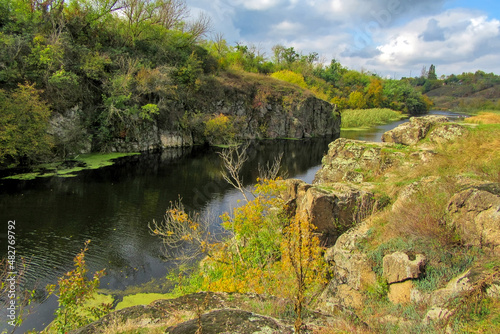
[415, 225]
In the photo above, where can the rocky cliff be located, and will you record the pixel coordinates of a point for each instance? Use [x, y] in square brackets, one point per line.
[256, 106]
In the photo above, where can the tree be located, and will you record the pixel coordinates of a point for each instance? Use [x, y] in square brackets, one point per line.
[139, 14]
[303, 254]
[424, 73]
[432, 73]
[23, 123]
[357, 100]
[332, 73]
[374, 93]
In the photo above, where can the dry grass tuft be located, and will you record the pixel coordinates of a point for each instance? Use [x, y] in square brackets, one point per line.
[423, 215]
[484, 118]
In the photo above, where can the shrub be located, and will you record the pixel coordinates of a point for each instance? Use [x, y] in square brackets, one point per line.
[74, 291]
[289, 76]
[357, 100]
[23, 123]
[219, 130]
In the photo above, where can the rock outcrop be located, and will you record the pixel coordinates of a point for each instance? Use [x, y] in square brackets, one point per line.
[352, 270]
[229, 321]
[254, 110]
[347, 159]
[446, 132]
[398, 267]
[475, 216]
[412, 132]
[332, 208]
[220, 313]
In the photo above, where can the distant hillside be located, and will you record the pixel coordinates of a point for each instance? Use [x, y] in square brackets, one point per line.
[464, 92]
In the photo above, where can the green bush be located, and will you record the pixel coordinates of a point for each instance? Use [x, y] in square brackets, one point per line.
[23, 123]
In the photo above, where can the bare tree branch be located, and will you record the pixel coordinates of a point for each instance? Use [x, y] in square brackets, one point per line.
[233, 158]
[271, 172]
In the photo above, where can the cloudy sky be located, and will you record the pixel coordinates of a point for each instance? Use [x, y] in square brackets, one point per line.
[389, 37]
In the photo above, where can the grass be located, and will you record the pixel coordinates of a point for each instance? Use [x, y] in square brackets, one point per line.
[364, 118]
[80, 162]
[486, 117]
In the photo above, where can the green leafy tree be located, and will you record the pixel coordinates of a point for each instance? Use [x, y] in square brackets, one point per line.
[432, 73]
[23, 123]
[331, 73]
[357, 100]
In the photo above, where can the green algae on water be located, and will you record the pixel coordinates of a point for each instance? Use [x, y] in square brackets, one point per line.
[68, 168]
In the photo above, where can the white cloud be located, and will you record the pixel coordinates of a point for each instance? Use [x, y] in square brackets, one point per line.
[384, 36]
[258, 4]
[466, 37]
[287, 28]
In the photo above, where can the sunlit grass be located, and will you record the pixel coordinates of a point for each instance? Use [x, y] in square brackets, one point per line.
[486, 117]
[363, 118]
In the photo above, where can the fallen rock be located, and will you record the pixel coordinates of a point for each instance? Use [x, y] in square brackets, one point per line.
[332, 208]
[412, 132]
[335, 209]
[400, 293]
[475, 215]
[398, 267]
[229, 321]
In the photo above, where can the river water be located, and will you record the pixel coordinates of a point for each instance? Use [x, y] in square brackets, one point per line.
[112, 206]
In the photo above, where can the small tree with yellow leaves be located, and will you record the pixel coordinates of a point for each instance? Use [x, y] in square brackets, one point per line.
[74, 291]
[302, 254]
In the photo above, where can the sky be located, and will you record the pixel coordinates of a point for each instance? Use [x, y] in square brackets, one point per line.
[393, 38]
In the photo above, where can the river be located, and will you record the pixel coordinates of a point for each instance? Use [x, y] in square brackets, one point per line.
[112, 207]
